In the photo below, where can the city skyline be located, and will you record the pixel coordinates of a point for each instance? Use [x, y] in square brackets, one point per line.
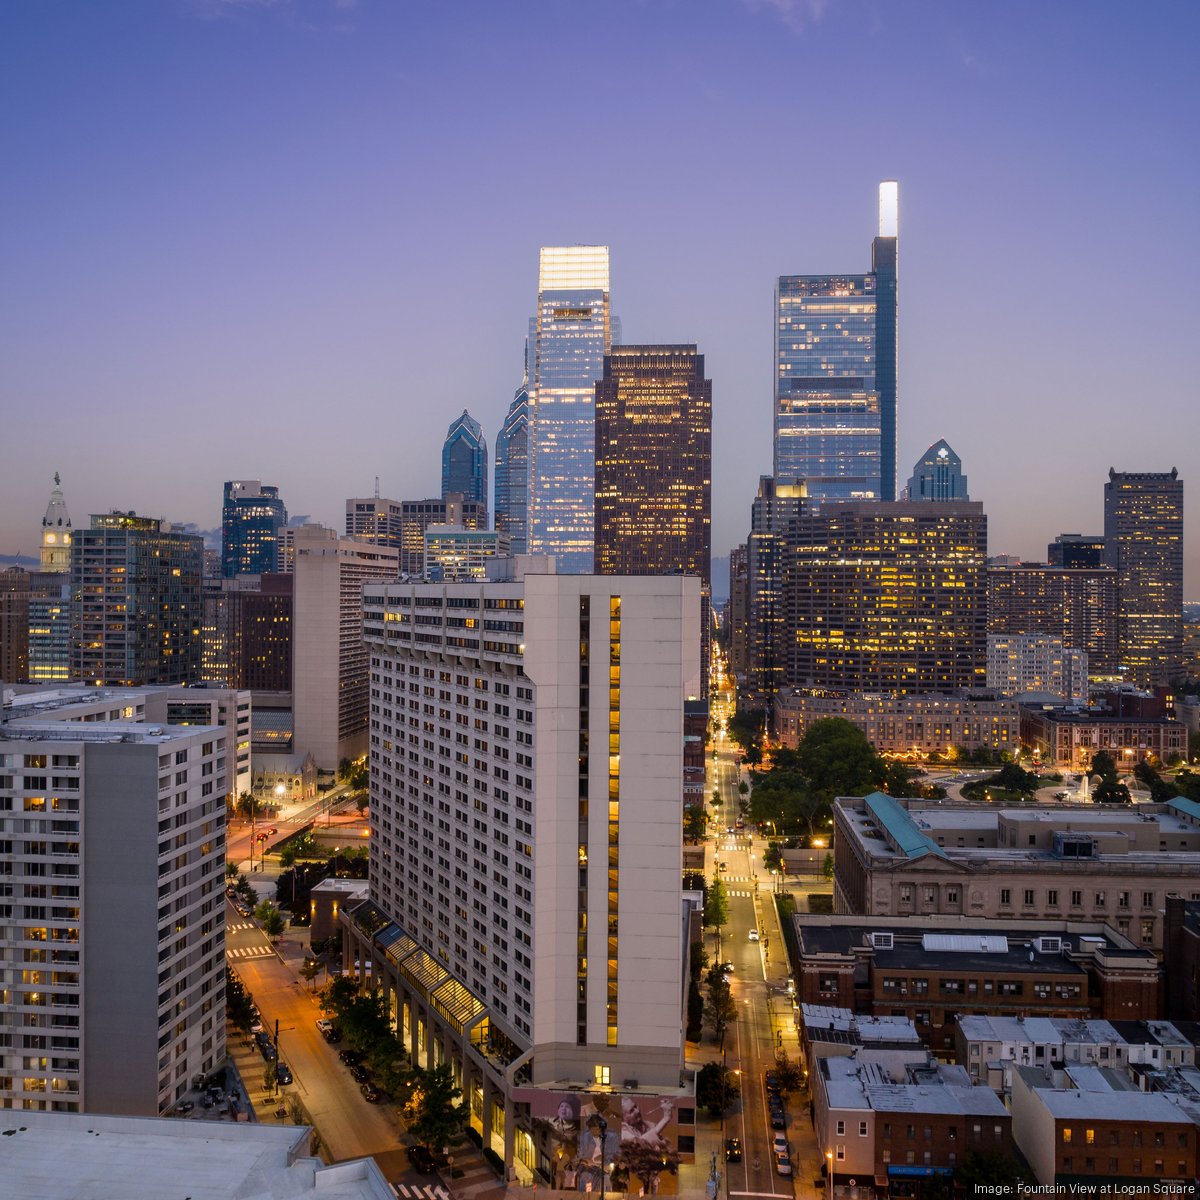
[159, 278]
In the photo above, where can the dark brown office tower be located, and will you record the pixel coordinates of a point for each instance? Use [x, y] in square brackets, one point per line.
[1076, 550]
[417, 515]
[654, 468]
[14, 625]
[887, 597]
[737, 613]
[248, 632]
[1143, 540]
[1077, 605]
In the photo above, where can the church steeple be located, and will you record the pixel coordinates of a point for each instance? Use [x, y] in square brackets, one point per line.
[56, 532]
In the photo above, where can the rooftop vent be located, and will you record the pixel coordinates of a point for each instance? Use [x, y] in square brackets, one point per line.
[882, 941]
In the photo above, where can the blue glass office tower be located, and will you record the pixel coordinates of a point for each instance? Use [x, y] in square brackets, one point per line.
[835, 374]
[512, 472]
[465, 461]
[253, 519]
[573, 333]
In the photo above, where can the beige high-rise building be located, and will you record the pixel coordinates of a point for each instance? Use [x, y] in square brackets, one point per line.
[329, 660]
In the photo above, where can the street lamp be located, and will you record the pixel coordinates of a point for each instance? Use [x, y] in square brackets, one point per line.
[829, 1171]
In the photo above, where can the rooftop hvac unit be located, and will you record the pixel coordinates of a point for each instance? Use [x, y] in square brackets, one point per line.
[1049, 945]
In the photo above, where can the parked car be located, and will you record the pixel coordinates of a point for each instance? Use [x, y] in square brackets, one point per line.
[778, 1120]
[185, 1107]
[733, 1150]
[359, 1074]
[350, 1057]
[371, 1094]
[723, 866]
[779, 1144]
[772, 1081]
[283, 1073]
[754, 935]
[324, 1024]
[783, 1164]
[421, 1160]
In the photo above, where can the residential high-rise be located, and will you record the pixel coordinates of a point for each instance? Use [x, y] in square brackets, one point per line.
[653, 512]
[465, 461]
[1076, 550]
[572, 334]
[512, 472]
[1143, 540]
[776, 507]
[251, 520]
[938, 475]
[1036, 662]
[1076, 605]
[117, 930]
[375, 519]
[835, 374]
[135, 602]
[525, 894]
[887, 597]
[329, 660]
[417, 515]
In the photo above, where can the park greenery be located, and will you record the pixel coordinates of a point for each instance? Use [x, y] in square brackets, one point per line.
[1010, 783]
[833, 758]
[1108, 789]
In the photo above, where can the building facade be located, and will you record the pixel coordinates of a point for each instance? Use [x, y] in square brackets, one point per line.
[121, 931]
[1070, 737]
[1053, 862]
[14, 625]
[1143, 542]
[1080, 551]
[251, 519]
[938, 475]
[417, 515]
[904, 725]
[1035, 662]
[1077, 605]
[572, 334]
[329, 661]
[374, 519]
[135, 602]
[248, 632]
[887, 597]
[653, 512]
[526, 761]
[835, 374]
[512, 472]
[453, 553]
[465, 462]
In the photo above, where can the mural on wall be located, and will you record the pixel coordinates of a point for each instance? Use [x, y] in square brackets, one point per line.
[632, 1137]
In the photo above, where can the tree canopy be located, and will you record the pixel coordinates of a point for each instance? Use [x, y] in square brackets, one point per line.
[438, 1117]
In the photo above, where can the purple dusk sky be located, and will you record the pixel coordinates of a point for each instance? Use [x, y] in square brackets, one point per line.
[293, 239]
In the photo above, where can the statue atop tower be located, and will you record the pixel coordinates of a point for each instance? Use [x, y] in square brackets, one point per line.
[56, 532]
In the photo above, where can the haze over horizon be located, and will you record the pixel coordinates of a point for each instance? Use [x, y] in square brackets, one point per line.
[292, 239]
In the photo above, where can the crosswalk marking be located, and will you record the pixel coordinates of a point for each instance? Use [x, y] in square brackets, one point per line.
[428, 1192]
[249, 952]
[241, 925]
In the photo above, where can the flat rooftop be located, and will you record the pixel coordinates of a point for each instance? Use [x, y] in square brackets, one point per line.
[103, 731]
[80, 1156]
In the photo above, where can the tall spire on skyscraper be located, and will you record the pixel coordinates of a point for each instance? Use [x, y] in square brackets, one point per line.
[56, 532]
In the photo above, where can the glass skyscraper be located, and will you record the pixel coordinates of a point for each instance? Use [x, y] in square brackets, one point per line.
[465, 461]
[253, 518]
[512, 472]
[835, 375]
[938, 475]
[573, 333]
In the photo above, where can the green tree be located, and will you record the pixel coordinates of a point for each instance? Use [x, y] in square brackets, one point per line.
[716, 905]
[827, 867]
[746, 728]
[248, 806]
[1103, 765]
[837, 760]
[773, 857]
[695, 1001]
[338, 996]
[270, 918]
[719, 1008]
[1187, 784]
[361, 799]
[231, 870]
[345, 767]
[716, 1089]
[388, 1062]
[438, 1117]
[743, 788]
[992, 1169]
[309, 972]
[1109, 791]
[695, 821]
[1160, 791]
[788, 1072]
[270, 1077]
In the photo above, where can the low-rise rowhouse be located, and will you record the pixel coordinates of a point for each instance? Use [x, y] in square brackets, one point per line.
[990, 1047]
[1090, 1125]
[883, 1129]
[1074, 862]
[928, 970]
[902, 724]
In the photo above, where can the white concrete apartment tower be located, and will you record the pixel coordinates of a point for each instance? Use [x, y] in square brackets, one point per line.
[526, 764]
[112, 930]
